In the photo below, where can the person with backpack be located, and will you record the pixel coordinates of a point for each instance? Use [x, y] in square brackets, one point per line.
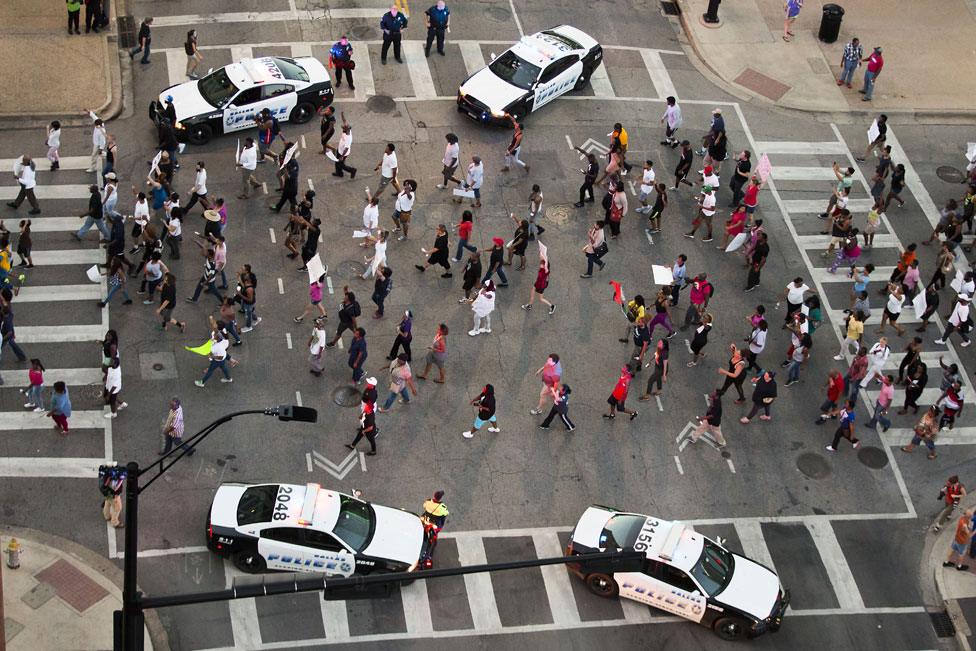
[193, 56]
[340, 58]
[701, 292]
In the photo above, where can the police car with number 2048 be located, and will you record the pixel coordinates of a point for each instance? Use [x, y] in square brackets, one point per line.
[530, 74]
[228, 98]
[684, 573]
[296, 528]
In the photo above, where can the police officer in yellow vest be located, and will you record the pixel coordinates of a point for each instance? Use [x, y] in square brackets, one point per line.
[435, 511]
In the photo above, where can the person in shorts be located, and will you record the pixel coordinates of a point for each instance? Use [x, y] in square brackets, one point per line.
[485, 402]
[403, 210]
[957, 549]
[436, 355]
[618, 397]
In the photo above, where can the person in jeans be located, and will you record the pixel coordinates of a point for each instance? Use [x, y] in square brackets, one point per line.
[595, 249]
[173, 429]
[357, 354]
[853, 53]
[875, 64]
[246, 294]
[801, 354]
[218, 355]
[145, 38]
[208, 279]
[885, 397]
[951, 493]
[925, 431]
[400, 380]
[845, 428]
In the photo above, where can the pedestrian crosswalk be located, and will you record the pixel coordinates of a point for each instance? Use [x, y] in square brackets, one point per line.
[425, 609]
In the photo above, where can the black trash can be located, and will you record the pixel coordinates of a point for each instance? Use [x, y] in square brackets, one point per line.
[830, 23]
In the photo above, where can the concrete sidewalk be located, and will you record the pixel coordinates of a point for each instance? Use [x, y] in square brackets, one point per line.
[62, 596]
[926, 44]
[955, 590]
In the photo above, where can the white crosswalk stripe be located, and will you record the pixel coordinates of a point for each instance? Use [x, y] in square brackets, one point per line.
[70, 376]
[59, 293]
[799, 147]
[55, 224]
[50, 466]
[663, 85]
[419, 71]
[175, 67]
[9, 193]
[600, 81]
[66, 163]
[821, 275]
[472, 56]
[70, 256]
[60, 333]
[881, 241]
[800, 206]
[30, 420]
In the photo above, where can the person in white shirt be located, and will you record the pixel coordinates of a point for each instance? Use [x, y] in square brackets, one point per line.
[958, 321]
[672, 115]
[404, 208]
[54, 144]
[892, 310]
[343, 151]
[199, 190]
[98, 147]
[877, 357]
[709, 177]
[316, 344]
[388, 169]
[371, 218]
[452, 153]
[218, 355]
[378, 261]
[247, 162]
[174, 232]
[27, 178]
[113, 386]
[794, 294]
[140, 213]
[646, 187]
[482, 306]
[706, 210]
[473, 179]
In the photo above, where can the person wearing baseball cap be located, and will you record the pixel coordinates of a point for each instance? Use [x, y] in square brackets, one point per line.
[875, 64]
[706, 210]
[958, 321]
[496, 262]
[710, 177]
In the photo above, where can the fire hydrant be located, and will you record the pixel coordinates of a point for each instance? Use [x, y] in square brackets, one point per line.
[13, 554]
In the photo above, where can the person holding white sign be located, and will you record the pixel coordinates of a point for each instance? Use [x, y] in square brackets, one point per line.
[876, 136]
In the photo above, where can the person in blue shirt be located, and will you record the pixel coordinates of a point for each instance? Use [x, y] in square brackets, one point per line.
[392, 23]
[341, 57]
[438, 19]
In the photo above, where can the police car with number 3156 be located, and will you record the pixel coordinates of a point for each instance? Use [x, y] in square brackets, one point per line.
[530, 74]
[684, 573]
[228, 98]
[298, 528]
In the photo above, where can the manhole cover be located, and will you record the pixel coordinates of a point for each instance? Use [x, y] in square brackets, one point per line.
[158, 367]
[559, 213]
[671, 8]
[813, 465]
[942, 623]
[350, 268]
[363, 33]
[498, 14]
[346, 396]
[380, 104]
[950, 174]
[872, 457]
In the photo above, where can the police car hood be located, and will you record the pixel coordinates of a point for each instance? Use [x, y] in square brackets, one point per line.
[187, 100]
[590, 527]
[753, 588]
[398, 535]
[491, 91]
[223, 512]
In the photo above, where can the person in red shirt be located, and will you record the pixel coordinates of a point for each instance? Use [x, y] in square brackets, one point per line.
[541, 282]
[619, 394]
[835, 389]
[751, 197]
[952, 492]
[875, 64]
[464, 234]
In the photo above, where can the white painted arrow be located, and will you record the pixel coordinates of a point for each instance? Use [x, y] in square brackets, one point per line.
[340, 470]
[591, 146]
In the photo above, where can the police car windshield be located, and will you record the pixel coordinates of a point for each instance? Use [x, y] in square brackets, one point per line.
[257, 504]
[514, 70]
[217, 88]
[713, 571]
[356, 523]
[621, 531]
[290, 69]
[563, 40]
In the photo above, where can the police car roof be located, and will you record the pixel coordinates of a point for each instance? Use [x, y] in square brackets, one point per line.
[263, 70]
[676, 544]
[238, 74]
[317, 508]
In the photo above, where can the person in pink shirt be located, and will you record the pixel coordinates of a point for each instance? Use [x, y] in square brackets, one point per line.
[885, 396]
[875, 64]
[314, 299]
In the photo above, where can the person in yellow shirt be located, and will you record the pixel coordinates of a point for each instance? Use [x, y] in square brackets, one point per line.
[619, 138]
[635, 312]
[855, 333]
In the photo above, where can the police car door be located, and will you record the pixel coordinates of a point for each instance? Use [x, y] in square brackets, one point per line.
[283, 548]
[335, 558]
[663, 587]
[240, 111]
[558, 77]
[280, 99]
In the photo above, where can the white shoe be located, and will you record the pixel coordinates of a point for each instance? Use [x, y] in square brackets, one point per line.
[535, 412]
[939, 341]
[246, 329]
[474, 333]
[441, 186]
[110, 415]
[455, 259]
[494, 429]
[226, 379]
[486, 331]
[38, 409]
[963, 344]
[28, 405]
[468, 434]
[838, 357]
[257, 320]
[123, 406]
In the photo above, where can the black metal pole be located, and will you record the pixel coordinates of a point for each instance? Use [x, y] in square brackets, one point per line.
[130, 625]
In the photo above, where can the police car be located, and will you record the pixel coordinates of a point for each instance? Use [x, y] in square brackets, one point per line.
[228, 98]
[530, 74]
[296, 528]
[684, 573]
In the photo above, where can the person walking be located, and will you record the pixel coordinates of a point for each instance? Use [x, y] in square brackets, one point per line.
[596, 247]
[193, 56]
[247, 162]
[387, 167]
[167, 302]
[54, 145]
[349, 311]
[24, 245]
[683, 168]
[471, 276]
[915, 382]
[706, 210]
[958, 321]
[314, 300]
[173, 429]
[647, 186]
[560, 405]
[514, 147]
[367, 428]
[144, 38]
[438, 20]
[116, 281]
[763, 396]
[438, 254]
[835, 391]
[711, 422]
[316, 346]
[35, 388]
[851, 59]
[539, 287]
[199, 190]
[482, 306]
[892, 310]
[357, 354]
[845, 428]
[25, 172]
[660, 374]
[757, 344]
[436, 355]
[672, 121]
[209, 278]
[878, 143]
[618, 396]
[589, 178]
[474, 177]
[485, 402]
[289, 191]
[60, 407]
[925, 432]
[403, 338]
[519, 242]
[735, 375]
[340, 58]
[464, 234]
[701, 292]
[756, 261]
[401, 379]
[113, 387]
[382, 287]
[452, 153]
[800, 356]
[699, 339]
[740, 177]
[952, 493]
[94, 216]
[99, 141]
[854, 336]
[392, 24]
[218, 355]
[875, 63]
[792, 10]
[551, 373]
[618, 207]
[496, 262]
[885, 397]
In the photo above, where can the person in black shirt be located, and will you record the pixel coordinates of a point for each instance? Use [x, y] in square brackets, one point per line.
[93, 216]
[348, 311]
[381, 289]
[145, 37]
[438, 255]
[289, 192]
[367, 428]
[589, 178]
[684, 165]
[327, 128]
[471, 276]
[93, 15]
[756, 262]
[167, 301]
[496, 262]
[485, 403]
[711, 422]
[739, 178]
[879, 141]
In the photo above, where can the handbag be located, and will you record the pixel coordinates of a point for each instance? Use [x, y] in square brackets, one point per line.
[601, 250]
[768, 400]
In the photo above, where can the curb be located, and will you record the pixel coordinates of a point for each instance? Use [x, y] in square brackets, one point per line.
[932, 569]
[102, 565]
[903, 116]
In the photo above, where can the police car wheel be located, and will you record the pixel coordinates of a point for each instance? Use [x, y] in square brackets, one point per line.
[250, 562]
[583, 79]
[302, 113]
[602, 585]
[730, 628]
[199, 134]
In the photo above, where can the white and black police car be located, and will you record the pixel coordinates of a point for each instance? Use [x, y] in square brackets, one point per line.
[295, 528]
[228, 98]
[684, 573]
[530, 74]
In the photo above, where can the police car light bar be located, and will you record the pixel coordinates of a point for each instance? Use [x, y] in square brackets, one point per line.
[308, 506]
[671, 541]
